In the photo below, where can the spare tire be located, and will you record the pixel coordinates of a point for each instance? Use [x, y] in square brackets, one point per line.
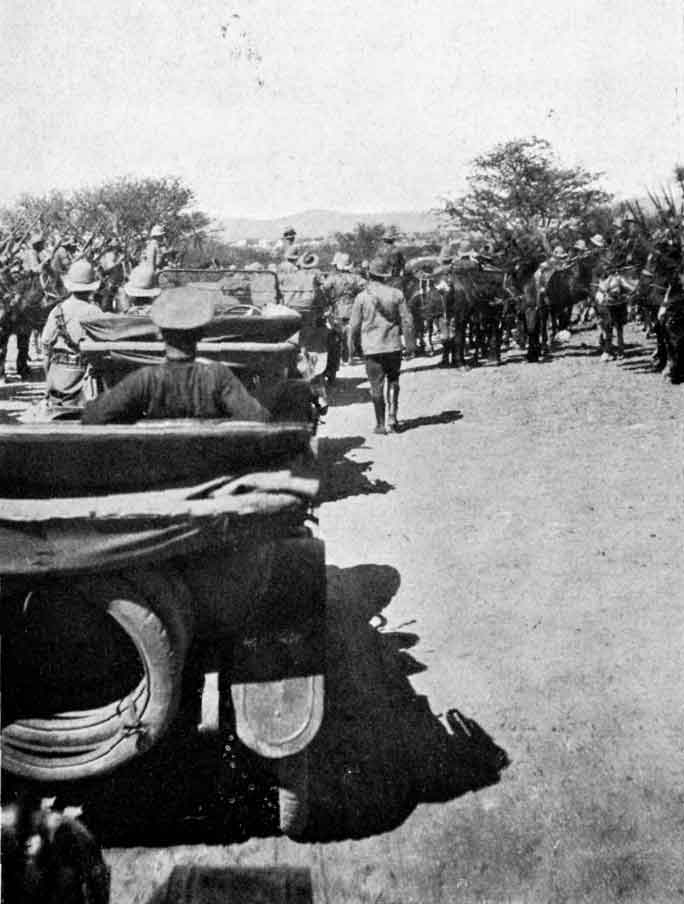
[138, 623]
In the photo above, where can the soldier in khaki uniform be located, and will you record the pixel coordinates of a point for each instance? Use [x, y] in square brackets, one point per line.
[341, 288]
[60, 262]
[154, 252]
[394, 260]
[30, 311]
[65, 369]
[139, 291]
[289, 244]
[379, 317]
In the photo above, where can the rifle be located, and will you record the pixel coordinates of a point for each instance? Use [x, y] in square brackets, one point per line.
[11, 245]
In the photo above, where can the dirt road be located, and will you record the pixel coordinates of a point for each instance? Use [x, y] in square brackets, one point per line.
[539, 540]
[515, 553]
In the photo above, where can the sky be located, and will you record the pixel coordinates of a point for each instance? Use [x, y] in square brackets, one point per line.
[267, 108]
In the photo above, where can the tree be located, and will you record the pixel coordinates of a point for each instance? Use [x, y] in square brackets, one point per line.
[659, 234]
[363, 242]
[125, 209]
[519, 190]
[128, 208]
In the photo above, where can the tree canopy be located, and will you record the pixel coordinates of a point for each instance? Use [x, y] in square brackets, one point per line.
[124, 209]
[520, 189]
[363, 242]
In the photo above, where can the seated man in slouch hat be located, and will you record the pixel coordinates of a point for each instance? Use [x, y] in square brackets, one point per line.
[180, 386]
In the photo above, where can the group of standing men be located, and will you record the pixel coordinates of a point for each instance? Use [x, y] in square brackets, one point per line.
[48, 295]
[368, 315]
[36, 279]
[367, 311]
[603, 281]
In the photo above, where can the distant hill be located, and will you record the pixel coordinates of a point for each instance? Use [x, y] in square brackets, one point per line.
[315, 223]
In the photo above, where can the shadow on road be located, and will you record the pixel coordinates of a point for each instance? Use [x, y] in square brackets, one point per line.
[347, 391]
[341, 476]
[379, 752]
[583, 350]
[639, 359]
[249, 885]
[434, 365]
[430, 420]
[642, 366]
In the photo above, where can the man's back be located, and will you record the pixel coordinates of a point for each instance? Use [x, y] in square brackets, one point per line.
[380, 312]
[63, 327]
[176, 389]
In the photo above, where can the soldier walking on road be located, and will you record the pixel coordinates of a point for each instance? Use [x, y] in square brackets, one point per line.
[379, 317]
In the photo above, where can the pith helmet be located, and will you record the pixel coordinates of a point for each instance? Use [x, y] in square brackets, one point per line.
[342, 261]
[157, 231]
[183, 308]
[597, 241]
[379, 267]
[81, 277]
[142, 282]
[308, 261]
[580, 245]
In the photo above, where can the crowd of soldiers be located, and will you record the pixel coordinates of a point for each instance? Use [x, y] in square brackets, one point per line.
[478, 301]
[34, 279]
[470, 302]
